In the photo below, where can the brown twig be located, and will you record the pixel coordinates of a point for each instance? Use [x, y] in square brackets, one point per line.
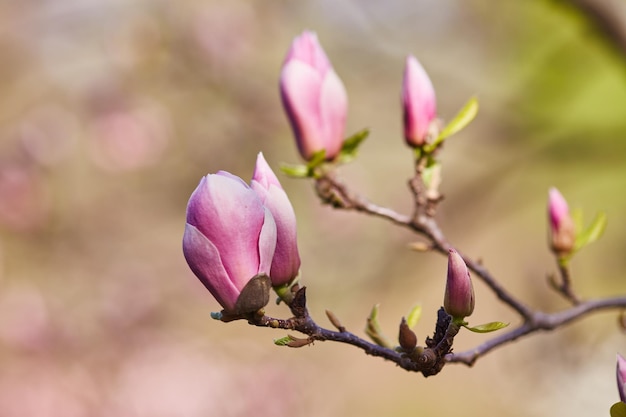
[427, 360]
[329, 187]
[431, 359]
[538, 321]
[565, 286]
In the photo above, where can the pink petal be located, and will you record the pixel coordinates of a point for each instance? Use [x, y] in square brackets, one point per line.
[266, 243]
[307, 49]
[334, 109]
[263, 174]
[205, 262]
[557, 207]
[300, 91]
[286, 261]
[230, 215]
[419, 102]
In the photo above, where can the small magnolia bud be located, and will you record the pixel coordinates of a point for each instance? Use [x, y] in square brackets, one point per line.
[229, 238]
[621, 377]
[418, 103]
[459, 297]
[313, 97]
[562, 231]
[406, 336]
[286, 261]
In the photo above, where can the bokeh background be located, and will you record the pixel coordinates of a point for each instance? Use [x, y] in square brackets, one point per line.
[110, 112]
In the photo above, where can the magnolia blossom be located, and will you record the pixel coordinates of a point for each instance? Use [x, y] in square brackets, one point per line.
[286, 261]
[459, 298]
[621, 377]
[230, 237]
[313, 97]
[418, 103]
[562, 230]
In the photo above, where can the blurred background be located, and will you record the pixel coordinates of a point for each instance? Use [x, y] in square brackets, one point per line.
[110, 112]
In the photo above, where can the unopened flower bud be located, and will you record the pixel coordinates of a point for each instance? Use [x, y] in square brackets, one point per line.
[418, 102]
[621, 377]
[314, 98]
[286, 261]
[406, 336]
[562, 230]
[229, 238]
[459, 297]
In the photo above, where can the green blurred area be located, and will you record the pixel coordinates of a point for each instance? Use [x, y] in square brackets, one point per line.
[111, 112]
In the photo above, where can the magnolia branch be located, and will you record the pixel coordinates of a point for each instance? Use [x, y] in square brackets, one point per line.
[565, 286]
[428, 360]
[332, 191]
[265, 244]
[538, 321]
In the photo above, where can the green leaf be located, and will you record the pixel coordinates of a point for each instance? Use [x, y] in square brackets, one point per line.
[351, 145]
[296, 171]
[618, 409]
[374, 331]
[414, 316]
[592, 233]
[458, 123]
[317, 159]
[283, 341]
[487, 327]
[577, 218]
[463, 118]
[431, 175]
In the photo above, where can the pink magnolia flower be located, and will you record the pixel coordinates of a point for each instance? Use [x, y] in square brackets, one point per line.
[459, 298]
[562, 230]
[230, 237]
[418, 103]
[286, 261]
[313, 97]
[621, 377]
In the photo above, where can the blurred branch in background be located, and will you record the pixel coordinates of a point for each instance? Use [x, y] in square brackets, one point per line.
[607, 16]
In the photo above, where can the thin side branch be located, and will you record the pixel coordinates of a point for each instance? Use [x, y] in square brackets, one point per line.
[565, 286]
[428, 360]
[332, 191]
[539, 321]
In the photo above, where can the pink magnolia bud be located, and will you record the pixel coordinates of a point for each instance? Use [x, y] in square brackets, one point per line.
[230, 237]
[621, 377]
[459, 298]
[418, 103]
[286, 262]
[314, 98]
[562, 230]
